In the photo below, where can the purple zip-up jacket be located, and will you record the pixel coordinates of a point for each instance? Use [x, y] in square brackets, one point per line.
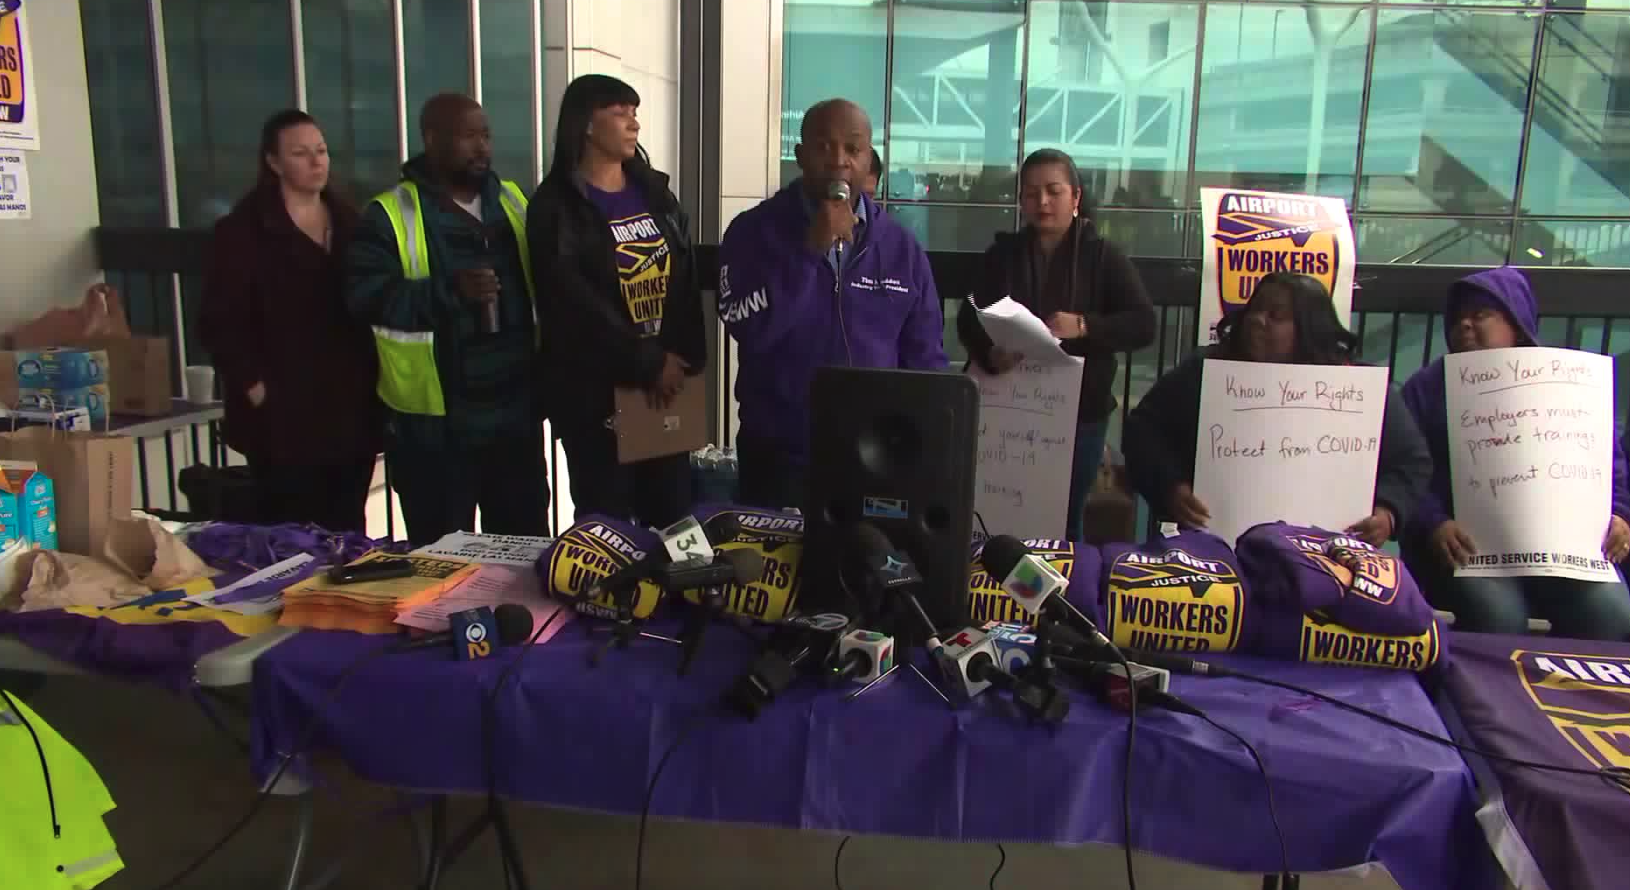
[1424, 395]
[790, 313]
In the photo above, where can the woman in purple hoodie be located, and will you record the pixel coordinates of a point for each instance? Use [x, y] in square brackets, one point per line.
[1496, 310]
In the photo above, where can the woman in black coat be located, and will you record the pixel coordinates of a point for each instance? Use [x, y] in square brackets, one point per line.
[1083, 286]
[618, 299]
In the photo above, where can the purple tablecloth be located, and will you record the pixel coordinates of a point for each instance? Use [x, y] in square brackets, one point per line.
[1553, 701]
[162, 653]
[896, 760]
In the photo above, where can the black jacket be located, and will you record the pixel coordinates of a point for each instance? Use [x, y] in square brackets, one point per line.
[1103, 286]
[1161, 433]
[590, 343]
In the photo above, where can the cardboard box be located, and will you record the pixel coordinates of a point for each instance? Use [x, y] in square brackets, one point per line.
[60, 368]
[93, 399]
[139, 374]
[28, 506]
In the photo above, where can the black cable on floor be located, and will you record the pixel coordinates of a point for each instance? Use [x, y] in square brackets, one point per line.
[299, 748]
[999, 866]
[837, 859]
[651, 790]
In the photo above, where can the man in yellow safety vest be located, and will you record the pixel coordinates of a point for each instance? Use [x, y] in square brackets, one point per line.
[439, 267]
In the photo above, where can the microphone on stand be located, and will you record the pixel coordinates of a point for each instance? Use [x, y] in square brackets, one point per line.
[474, 633]
[838, 190]
[1034, 584]
[740, 567]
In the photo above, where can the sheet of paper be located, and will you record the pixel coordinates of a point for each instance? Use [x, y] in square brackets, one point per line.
[15, 202]
[1248, 234]
[519, 551]
[1026, 447]
[261, 592]
[493, 586]
[1531, 459]
[1297, 443]
[1016, 329]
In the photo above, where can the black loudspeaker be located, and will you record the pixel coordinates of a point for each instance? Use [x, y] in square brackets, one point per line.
[895, 449]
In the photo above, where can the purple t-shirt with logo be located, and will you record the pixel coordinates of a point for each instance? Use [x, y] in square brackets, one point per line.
[644, 261]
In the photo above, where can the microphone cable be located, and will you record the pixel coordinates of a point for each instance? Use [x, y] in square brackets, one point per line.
[837, 859]
[999, 865]
[307, 736]
[695, 721]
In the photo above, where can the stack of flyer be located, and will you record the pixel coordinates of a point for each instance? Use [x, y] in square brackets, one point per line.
[372, 606]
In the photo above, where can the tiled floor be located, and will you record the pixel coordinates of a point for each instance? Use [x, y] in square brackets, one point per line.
[179, 784]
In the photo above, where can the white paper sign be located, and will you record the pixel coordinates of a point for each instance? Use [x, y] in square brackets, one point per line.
[1014, 328]
[14, 199]
[1250, 234]
[1292, 443]
[1027, 423]
[519, 551]
[1531, 459]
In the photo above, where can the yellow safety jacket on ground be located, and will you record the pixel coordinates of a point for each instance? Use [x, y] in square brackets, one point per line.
[408, 379]
[52, 836]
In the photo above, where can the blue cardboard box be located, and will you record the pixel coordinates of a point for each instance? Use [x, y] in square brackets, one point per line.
[28, 506]
[61, 368]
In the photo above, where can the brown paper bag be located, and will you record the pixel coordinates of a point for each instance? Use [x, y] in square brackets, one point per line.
[148, 553]
[92, 473]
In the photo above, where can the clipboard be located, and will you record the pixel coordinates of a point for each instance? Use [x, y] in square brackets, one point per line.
[644, 432]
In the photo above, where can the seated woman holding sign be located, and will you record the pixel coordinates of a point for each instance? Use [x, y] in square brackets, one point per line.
[1289, 320]
[1082, 286]
[1496, 310]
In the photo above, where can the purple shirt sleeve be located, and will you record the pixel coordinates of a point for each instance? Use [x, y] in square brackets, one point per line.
[762, 286]
[1423, 401]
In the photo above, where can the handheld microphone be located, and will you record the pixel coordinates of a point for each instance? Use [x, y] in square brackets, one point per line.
[687, 538]
[1035, 585]
[864, 656]
[838, 190]
[475, 632]
[970, 665]
[793, 643]
[729, 567]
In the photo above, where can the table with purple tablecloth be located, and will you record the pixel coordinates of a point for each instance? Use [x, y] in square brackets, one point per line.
[897, 760]
[1554, 701]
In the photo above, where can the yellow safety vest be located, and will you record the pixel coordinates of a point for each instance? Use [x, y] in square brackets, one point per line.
[78, 852]
[408, 379]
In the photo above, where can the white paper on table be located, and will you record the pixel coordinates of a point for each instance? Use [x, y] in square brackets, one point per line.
[519, 551]
[493, 586]
[1531, 459]
[1292, 443]
[291, 569]
[1014, 328]
[1027, 420]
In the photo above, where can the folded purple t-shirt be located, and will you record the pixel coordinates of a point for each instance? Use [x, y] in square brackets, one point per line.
[1316, 639]
[1179, 594]
[778, 537]
[1077, 562]
[1299, 570]
[592, 549]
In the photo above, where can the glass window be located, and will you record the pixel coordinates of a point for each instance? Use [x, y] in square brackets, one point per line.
[814, 33]
[123, 105]
[230, 67]
[1142, 232]
[351, 90]
[435, 54]
[1109, 83]
[1579, 136]
[1572, 242]
[1448, 92]
[954, 97]
[966, 227]
[507, 87]
[1280, 94]
[1434, 241]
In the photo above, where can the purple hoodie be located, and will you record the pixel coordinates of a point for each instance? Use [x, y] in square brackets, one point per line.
[790, 313]
[1424, 396]
[1296, 570]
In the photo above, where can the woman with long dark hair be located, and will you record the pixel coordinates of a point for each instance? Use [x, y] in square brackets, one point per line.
[621, 307]
[297, 373]
[1091, 296]
[1289, 320]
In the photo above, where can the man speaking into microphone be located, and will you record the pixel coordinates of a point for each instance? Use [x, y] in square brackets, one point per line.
[818, 275]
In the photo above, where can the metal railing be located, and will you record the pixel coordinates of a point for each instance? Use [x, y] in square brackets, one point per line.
[1396, 315]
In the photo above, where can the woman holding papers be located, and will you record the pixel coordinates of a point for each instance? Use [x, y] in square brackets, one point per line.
[1289, 320]
[1081, 285]
[1496, 310]
[622, 308]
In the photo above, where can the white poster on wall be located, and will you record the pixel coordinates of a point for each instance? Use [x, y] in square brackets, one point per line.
[1026, 447]
[14, 199]
[19, 106]
[1531, 459]
[1297, 443]
[1249, 234]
